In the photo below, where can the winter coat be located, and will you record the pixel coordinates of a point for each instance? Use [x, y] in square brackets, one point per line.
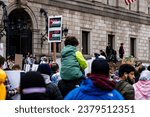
[2, 86]
[52, 91]
[72, 63]
[55, 78]
[121, 52]
[87, 91]
[125, 89]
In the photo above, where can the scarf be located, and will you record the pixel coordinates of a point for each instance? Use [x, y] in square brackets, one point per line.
[2, 86]
[102, 81]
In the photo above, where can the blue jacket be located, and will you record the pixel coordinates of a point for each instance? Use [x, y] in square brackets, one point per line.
[87, 91]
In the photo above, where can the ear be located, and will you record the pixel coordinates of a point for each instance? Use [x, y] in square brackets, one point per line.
[125, 75]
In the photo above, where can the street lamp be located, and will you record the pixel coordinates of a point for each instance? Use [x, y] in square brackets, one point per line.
[65, 31]
[44, 36]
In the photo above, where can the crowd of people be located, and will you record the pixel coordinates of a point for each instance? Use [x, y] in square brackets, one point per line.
[108, 79]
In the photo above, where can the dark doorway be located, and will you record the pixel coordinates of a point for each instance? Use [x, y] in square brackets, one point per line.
[133, 47]
[111, 40]
[20, 34]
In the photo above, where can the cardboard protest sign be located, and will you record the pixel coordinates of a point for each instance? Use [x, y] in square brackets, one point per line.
[18, 59]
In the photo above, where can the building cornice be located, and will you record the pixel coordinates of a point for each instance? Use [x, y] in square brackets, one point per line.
[97, 8]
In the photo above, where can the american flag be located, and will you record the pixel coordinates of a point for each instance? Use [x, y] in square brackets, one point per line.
[129, 1]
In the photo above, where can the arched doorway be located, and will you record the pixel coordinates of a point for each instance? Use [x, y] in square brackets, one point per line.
[20, 33]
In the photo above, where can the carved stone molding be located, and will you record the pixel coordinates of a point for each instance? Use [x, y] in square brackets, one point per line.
[22, 2]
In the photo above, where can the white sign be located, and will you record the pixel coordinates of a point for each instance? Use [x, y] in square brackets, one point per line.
[14, 79]
[35, 67]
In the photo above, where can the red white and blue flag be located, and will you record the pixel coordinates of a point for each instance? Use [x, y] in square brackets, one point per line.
[129, 1]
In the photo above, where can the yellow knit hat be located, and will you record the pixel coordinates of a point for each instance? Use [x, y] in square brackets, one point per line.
[2, 86]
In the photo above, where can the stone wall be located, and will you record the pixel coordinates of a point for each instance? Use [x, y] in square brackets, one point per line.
[101, 20]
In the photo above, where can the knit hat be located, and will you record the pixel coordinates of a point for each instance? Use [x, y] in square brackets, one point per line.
[145, 75]
[2, 86]
[31, 85]
[44, 69]
[100, 66]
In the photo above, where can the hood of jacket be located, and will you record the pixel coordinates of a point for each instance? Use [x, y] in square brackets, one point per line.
[142, 89]
[68, 50]
[88, 87]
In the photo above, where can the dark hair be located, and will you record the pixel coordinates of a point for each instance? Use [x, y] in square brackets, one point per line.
[16, 66]
[54, 67]
[148, 68]
[101, 51]
[125, 68]
[142, 68]
[71, 40]
[44, 69]
[112, 65]
[65, 86]
[2, 60]
[100, 66]
[96, 55]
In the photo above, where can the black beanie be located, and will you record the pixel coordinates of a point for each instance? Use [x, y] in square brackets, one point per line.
[44, 69]
[32, 83]
[100, 66]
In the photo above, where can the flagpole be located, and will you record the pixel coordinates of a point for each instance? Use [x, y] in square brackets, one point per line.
[117, 3]
[138, 5]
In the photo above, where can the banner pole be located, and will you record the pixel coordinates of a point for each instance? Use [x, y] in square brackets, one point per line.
[54, 47]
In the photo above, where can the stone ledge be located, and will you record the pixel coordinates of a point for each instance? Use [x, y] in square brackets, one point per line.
[100, 9]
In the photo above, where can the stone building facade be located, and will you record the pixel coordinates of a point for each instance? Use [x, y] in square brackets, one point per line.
[93, 22]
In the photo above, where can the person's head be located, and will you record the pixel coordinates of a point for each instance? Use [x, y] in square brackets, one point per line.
[54, 67]
[2, 60]
[112, 67]
[100, 66]
[45, 60]
[11, 58]
[30, 55]
[71, 40]
[141, 68]
[32, 86]
[44, 69]
[148, 68]
[16, 67]
[96, 55]
[101, 51]
[126, 72]
[121, 44]
[145, 75]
